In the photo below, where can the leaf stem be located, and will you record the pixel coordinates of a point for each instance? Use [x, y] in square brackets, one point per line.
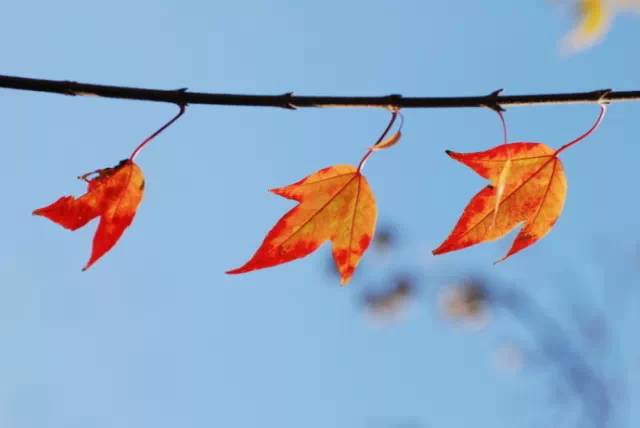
[506, 169]
[601, 115]
[370, 150]
[183, 108]
[504, 126]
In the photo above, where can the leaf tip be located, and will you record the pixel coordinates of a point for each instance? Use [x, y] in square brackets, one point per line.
[452, 154]
[443, 248]
[90, 263]
[277, 191]
[247, 267]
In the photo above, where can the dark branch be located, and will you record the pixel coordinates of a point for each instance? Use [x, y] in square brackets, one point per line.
[291, 101]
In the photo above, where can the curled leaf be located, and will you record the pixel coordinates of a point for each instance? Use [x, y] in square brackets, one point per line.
[388, 142]
[114, 196]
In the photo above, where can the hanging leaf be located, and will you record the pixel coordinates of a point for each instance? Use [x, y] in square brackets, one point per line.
[336, 204]
[533, 193]
[113, 195]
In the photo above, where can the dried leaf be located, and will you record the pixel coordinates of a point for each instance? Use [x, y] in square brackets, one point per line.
[388, 142]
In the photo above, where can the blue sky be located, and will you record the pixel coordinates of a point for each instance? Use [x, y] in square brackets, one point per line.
[155, 335]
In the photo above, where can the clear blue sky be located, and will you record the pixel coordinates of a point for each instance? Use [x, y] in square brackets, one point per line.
[155, 335]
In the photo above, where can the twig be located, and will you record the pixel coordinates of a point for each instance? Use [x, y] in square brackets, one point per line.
[290, 101]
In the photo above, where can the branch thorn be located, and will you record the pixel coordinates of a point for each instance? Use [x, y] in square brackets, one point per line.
[602, 95]
[492, 101]
[286, 103]
[181, 103]
[394, 102]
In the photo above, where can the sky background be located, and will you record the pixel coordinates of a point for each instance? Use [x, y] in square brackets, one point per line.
[155, 335]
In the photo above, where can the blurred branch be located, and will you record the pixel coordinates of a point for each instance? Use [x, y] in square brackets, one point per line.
[290, 101]
[555, 343]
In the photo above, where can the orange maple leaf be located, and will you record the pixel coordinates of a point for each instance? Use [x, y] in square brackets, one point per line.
[114, 195]
[528, 186]
[335, 203]
[533, 193]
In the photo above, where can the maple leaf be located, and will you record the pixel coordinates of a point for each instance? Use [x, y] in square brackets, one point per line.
[335, 203]
[113, 195]
[533, 193]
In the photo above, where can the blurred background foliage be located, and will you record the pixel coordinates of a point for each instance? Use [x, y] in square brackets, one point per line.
[581, 350]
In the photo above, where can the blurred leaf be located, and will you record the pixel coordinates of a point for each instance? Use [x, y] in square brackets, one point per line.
[594, 19]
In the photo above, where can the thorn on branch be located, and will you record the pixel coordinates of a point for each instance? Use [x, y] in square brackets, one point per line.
[602, 95]
[77, 92]
[286, 101]
[69, 91]
[492, 101]
[395, 101]
[182, 104]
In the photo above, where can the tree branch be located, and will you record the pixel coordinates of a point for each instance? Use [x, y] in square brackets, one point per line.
[291, 101]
